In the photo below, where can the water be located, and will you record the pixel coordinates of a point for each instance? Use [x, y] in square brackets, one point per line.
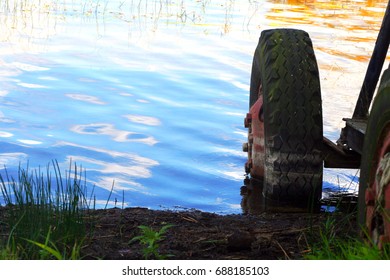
[151, 95]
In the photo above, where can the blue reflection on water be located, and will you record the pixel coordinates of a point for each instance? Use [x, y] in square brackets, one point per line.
[163, 127]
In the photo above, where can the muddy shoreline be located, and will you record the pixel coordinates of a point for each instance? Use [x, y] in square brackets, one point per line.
[203, 235]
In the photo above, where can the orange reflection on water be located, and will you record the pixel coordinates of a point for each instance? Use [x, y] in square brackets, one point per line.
[357, 57]
[355, 23]
[313, 11]
[338, 4]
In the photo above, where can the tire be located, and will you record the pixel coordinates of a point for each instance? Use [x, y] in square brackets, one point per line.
[374, 188]
[286, 72]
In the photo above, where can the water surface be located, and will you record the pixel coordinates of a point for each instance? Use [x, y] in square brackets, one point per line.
[151, 95]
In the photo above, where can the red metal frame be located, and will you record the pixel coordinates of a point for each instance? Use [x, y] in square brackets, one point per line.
[253, 121]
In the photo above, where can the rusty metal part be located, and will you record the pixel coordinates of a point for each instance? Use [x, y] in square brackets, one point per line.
[377, 196]
[255, 146]
[335, 156]
[352, 135]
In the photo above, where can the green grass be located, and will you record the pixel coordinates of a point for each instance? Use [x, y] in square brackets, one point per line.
[336, 240]
[45, 213]
[348, 249]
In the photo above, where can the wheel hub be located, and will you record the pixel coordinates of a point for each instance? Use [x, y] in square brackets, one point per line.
[255, 146]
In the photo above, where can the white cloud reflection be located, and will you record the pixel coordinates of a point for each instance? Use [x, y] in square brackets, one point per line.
[120, 184]
[122, 172]
[12, 159]
[116, 134]
[29, 142]
[5, 134]
[3, 93]
[130, 170]
[234, 174]
[85, 98]
[3, 119]
[133, 158]
[221, 201]
[143, 120]
[29, 85]
[29, 67]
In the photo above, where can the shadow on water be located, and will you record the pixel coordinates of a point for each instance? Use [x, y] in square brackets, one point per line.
[254, 202]
[343, 201]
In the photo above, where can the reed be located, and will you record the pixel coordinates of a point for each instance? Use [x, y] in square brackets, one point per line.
[43, 209]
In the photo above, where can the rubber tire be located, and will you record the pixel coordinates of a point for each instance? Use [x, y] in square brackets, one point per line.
[285, 66]
[377, 126]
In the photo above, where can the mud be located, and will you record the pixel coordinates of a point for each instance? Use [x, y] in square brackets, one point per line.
[202, 235]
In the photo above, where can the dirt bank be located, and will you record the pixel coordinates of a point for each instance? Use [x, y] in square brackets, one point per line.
[201, 235]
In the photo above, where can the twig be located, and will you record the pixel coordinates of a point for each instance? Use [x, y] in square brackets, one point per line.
[285, 253]
[281, 230]
[190, 219]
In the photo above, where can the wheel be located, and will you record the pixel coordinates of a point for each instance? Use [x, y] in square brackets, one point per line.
[374, 183]
[285, 109]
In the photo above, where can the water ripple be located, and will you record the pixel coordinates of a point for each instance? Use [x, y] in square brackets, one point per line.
[86, 98]
[116, 134]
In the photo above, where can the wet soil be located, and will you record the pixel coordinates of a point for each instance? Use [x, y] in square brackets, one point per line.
[202, 235]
